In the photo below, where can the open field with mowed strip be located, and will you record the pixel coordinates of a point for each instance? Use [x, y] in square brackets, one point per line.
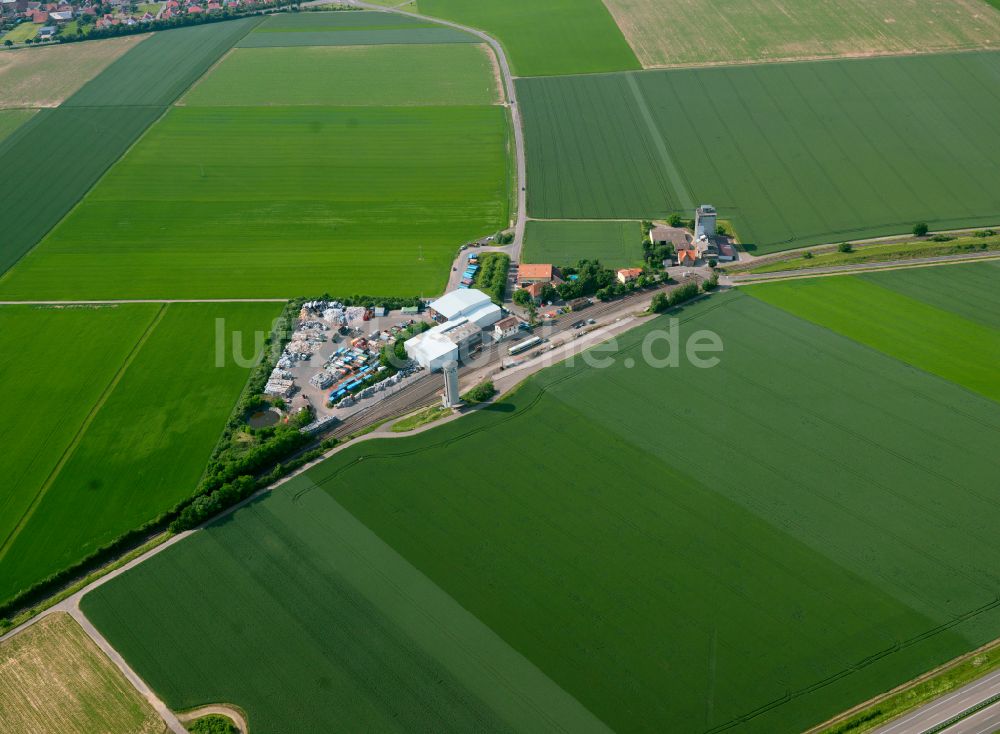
[53, 678]
[794, 154]
[940, 341]
[801, 526]
[44, 77]
[446, 74]
[552, 37]
[615, 244]
[732, 31]
[136, 402]
[350, 29]
[334, 199]
[103, 119]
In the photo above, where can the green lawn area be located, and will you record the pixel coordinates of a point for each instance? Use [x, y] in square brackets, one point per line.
[142, 437]
[769, 30]
[542, 38]
[21, 33]
[53, 678]
[758, 548]
[934, 339]
[794, 154]
[333, 199]
[446, 74]
[615, 244]
[350, 29]
[11, 120]
[881, 253]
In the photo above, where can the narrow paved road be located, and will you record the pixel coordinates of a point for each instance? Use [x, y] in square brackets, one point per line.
[944, 708]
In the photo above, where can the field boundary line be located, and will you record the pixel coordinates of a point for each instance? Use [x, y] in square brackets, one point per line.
[680, 188]
[833, 270]
[80, 433]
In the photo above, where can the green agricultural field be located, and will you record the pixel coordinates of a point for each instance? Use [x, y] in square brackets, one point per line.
[54, 679]
[103, 119]
[11, 120]
[47, 398]
[447, 74]
[967, 290]
[755, 550]
[147, 431]
[340, 200]
[350, 29]
[728, 31]
[350, 634]
[542, 38]
[615, 244]
[793, 154]
[934, 339]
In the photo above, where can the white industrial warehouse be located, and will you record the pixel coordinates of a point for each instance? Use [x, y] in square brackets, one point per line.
[467, 303]
[465, 313]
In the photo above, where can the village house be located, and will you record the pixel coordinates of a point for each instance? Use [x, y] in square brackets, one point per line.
[505, 327]
[627, 275]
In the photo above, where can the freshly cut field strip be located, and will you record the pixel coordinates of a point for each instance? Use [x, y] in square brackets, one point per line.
[147, 444]
[939, 341]
[726, 31]
[305, 595]
[794, 154]
[11, 120]
[350, 29]
[616, 244]
[455, 74]
[44, 77]
[160, 70]
[967, 290]
[552, 37]
[339, 200]
[54, 364]
[103, 119]
[701, 577]
[54, 680]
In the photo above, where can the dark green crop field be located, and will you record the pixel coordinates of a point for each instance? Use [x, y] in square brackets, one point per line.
[762, 544]
[339, 632]
[552, 37]
[350, 29]
[136, 442]
[615, 244]
[794, 154]
[103, 119]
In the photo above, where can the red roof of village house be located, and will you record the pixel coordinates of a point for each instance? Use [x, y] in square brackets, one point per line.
[535, 289]
[630, 273]
[683, 255]
[195, 9]
[526, 271]
[39, 16]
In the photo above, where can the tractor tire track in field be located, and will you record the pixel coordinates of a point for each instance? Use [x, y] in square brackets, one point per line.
[81, 432]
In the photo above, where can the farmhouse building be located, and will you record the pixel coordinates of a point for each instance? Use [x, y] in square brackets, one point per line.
[678, 237]
[627, 275]
[687, 256]
[705, 224]
[529, 273]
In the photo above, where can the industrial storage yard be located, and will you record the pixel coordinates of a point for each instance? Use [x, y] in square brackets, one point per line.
[510, 365]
